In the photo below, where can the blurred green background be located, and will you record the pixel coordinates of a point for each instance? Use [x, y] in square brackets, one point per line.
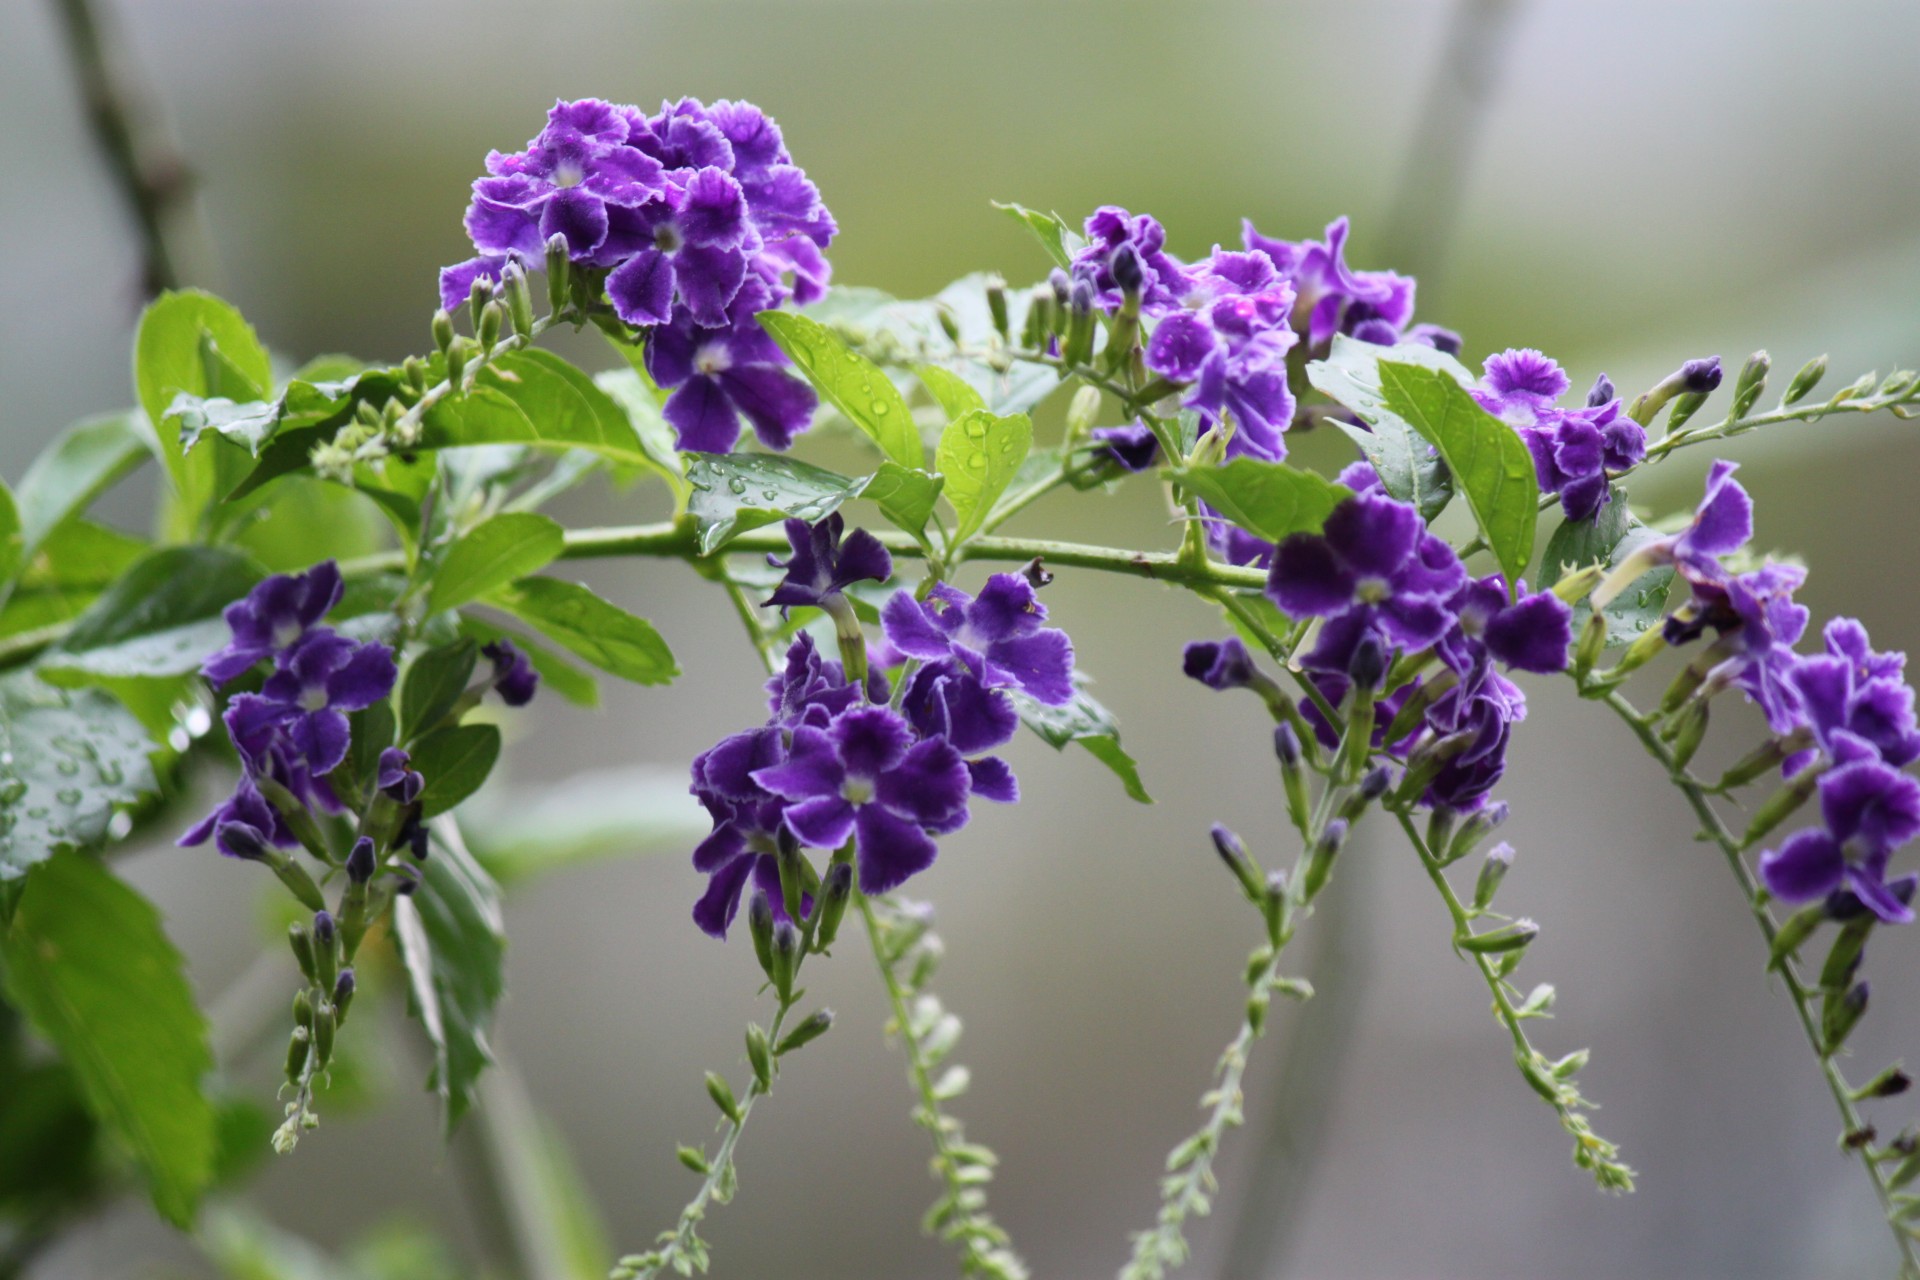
[1640, 183]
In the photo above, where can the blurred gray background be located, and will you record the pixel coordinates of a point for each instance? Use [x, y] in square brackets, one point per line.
[1645, 182]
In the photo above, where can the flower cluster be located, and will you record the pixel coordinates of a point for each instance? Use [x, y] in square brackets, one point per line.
[837, 761]
[1848, 709]
[1573, 449]
[1385, 589]
[694, 220]
[294, 732]
[1222, 328]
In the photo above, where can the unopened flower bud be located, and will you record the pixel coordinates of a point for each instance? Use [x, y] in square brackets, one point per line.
[297, 1054]
[361, 861]
[519, 299]
[323, 1028]
[1685, 405]
[1081, 412]
[1840, 1012]
[1078, 348]
[1593, 643]
[442, 330]
[760, 924]
[835, 892]
[1492, 872]
[244, 840]
[1694, 378]
[1128, 273]
[792, 873]
[478, 298]
[1794, 931]
[997, 304]
[1235, 855]
[323, 929]
[302, 943]
[1510, 937]
[785, 949]
[1320, 860]
[1061, 284]
[1602, 392]
[1751, 382]
[343, 988]
[302, 1008]
[1286, 745]
[1782, 804]
[812, 1028]
[1700, 377]
[456, 362]
[760, 1057]
[1481, 823]
[559, 268]
[1806, 380]
[1039, 324]
[1888, 1084]
[1368, 665]
[1688, 732]
[1375, 784]
[1843, 961]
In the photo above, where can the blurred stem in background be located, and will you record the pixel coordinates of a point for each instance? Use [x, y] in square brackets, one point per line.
[148, 170]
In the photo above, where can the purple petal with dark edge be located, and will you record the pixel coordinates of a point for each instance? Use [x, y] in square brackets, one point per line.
[716, 210]
[578, 216]
[722, 845]
[1724, 521]
[1373, 535]
[890, 850]
[778, 405]
[321, 737]
[1181, 345]
[993, 780]
[910, 630]
[1041, 663]
[1306, 580]
[812, 768]
[365, 678]
[707, 278]
[719, 904]
[1532, 635]
[1877, 896]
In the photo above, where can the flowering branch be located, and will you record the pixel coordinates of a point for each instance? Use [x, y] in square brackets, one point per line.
[906, 952]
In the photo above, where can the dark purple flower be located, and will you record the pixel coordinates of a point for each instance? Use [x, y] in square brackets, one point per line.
[823, 566]
[997, 636]
[1133, 447]
[1373, 570]
[566, 183]
[945, 700]
[1111, 232]
[864, 776]
[243, 826]
[1371, 305]
[722, 374]
[689, 245]
[1231, 348]
[1757, 622]
[1483, 706]
[259, 729]
[1219, 664]
[1850, 689]
[1721, 525]
[1868, 809]
[1521, 387]
[514, 678]
[274, 617]
[1573, 455]
[811, 689]
[397, 777]
[323, 678]
[1531, 633]
[742, 845]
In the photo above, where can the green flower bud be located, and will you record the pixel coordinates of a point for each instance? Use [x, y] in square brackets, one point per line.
[559, 269]
[1806, 380]
[997, 304]
[760, 1058]
[1840, 1012]
[1511, 937]
[1234, 854]
[477, 299]
[722, 1094]
[1794, 931]
[343, 988]
[302, 943]
[950, 322]
[323, 1026]
[1320, 860]
[519, 300]
[812, 1028]
[442, 330]
[1751, 382]
[835, 892]
[302, 1008]
[1081, 412]
[1593, 643]
[793, 875]
[1889, 1083]
[1689, 729]
[1480, 824]
[456, 362]
[1039, 323]
[1844, 960]
[1685, 405]
[1499, 861]
[297, 1055]
[694, 1160]
[760, 924]
[1782, 804]
[492, 316]
[786, 958]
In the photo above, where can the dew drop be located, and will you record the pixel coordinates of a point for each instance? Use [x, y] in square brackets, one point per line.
[769, 495]
[68, 795]
[737, 486]
[67, 768]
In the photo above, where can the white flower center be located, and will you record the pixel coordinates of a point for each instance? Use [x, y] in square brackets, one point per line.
[712, 358]
[857, 790]
[286, 633]
[568, 174]
[1371, 590]
[313, 697]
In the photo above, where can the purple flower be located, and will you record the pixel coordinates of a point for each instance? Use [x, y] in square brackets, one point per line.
[1113, 233]
[1852, 690]
[945, 700]
[689, 245]
[864, 776]
[1573, 456]
[1521, 387]
[997, 636]
[1371, 305]
[720, 374]
[1133, 447]
[514, 678]
[1231, 349]
[812, 690]
[397, 777]
[823, 566]
[243, 826]
[1721, 525]
[1483, 706]
[1531, 633]
[322, 679]
[1374, 570]
[274, 617]
[741, 846]
[1219, 664]
[1868, 809]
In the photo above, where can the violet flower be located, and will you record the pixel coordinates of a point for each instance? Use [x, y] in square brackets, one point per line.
[1531, 633]
[721, 374]
[997, 636]
[325, 677]
[1852, 690]
[823, 565]
[865, 777]
[1112, 230]
[273, 617]
[514, 678]
[1231, 348]
[1867, 809]
[1336, 298]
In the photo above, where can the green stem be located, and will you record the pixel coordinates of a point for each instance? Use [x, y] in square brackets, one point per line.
[1715, 830]
[1591, 1151]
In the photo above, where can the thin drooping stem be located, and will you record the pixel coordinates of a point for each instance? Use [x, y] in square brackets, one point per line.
[927, 1033]
[152, 177]
[1714, 828]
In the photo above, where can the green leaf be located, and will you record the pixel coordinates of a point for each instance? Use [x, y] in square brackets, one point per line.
[1609, 538]
[373, 733]
[735, 492]
[1060, 241]
[978, 457]
[905, 496]
[1088, 723]
[162, 617]
[1021, 385]
[636, 398]
[955, 394]
[579, 621]
[534, 398]
[88, 962]
[492, 554]
[454, 761]
[434, 682]
[13, 550]
[1489, 460]
[560, 1235]
[556, 673]
[1410, 470]
[1270, 499]
[192, 342]
[452, 942]
[852, 383]
[588, 817]
[68, 759]
[72, 471]
[253, 424]
[75, 564]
